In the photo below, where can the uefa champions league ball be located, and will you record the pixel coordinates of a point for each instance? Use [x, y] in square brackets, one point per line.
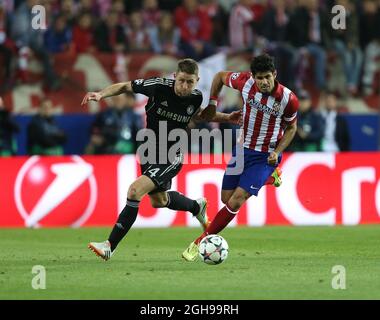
[213, 249]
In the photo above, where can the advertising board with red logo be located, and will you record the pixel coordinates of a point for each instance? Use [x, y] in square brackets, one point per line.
[317, 189]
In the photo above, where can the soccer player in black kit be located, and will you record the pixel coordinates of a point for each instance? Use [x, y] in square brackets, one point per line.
[174, 103]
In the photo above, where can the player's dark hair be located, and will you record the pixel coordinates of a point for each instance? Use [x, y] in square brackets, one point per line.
[188, 66]
[262, 63]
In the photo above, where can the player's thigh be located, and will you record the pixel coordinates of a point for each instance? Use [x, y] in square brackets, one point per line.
[226, 195]
[140, 187]
[229, 184]
[232, 175]
[158, 199]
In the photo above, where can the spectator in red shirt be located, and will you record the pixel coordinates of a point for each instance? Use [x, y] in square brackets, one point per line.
[83, 34]
[196, 29]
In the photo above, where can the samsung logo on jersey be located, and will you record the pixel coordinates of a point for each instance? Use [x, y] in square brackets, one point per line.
[264, 108]
[173, 116]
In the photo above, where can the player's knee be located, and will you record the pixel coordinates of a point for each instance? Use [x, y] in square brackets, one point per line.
[234, 205]
[133, 193]
[225, 199]
[236, 202]
[226, 195]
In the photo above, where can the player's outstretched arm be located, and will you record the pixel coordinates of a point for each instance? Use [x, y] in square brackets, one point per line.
[112, 90]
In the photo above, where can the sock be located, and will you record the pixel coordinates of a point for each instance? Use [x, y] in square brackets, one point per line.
[270, 180]
[221, 220]
[177, 201]
[124, 222]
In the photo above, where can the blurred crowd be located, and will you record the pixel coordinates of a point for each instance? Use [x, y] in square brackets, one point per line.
[298, 33]
[114, 129]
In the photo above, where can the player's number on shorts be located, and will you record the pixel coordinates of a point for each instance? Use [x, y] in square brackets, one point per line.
[153, 172]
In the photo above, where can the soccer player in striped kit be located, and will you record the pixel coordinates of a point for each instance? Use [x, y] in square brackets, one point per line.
[268, 126]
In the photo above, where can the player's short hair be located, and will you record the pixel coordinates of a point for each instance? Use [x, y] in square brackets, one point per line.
[188, 66]
[262, 63]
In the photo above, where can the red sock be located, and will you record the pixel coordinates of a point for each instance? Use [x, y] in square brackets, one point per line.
[270, 180]
[221, 220]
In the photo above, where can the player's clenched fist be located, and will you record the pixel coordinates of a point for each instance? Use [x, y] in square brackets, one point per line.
[236, 117]
[91, 96]
[273, 158]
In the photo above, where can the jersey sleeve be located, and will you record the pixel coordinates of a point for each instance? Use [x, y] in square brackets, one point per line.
[146, 86]
[290, 112]
[237, 80]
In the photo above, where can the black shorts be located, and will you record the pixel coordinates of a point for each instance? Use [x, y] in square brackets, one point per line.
[162, 174]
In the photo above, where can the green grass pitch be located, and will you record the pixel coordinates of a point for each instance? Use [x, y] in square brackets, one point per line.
[263, 263]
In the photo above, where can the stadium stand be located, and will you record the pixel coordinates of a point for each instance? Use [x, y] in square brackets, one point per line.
[89, 44]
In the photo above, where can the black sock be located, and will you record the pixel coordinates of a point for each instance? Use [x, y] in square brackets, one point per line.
[125, 221]
[177, 201]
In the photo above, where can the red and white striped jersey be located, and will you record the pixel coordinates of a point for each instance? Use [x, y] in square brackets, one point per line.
[264, 116]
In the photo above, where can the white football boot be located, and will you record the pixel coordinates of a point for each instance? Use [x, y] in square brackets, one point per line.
[101, 249]
[202, 214]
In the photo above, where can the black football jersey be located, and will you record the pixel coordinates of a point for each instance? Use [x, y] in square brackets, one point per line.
[165, 105]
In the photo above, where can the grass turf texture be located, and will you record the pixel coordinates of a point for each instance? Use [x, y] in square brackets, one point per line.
[263, 263]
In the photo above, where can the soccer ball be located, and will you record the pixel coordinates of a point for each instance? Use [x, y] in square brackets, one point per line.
[213, 249]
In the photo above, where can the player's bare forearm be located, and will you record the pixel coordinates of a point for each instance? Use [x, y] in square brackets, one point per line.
[233, 117]
[290, 131]
[217, 84]
[116, 89]
[112, 90]
[221, 117]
